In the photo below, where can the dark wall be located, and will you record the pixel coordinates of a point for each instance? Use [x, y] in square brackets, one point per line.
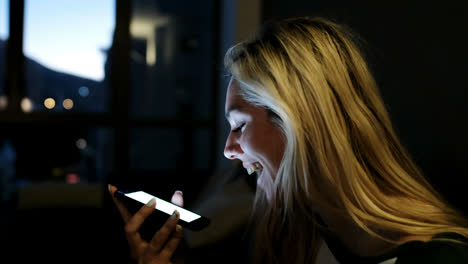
[418, 52]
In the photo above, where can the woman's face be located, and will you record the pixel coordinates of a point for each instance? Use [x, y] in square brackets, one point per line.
[254, 138]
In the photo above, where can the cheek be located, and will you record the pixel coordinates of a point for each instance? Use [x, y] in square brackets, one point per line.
[277, 145]
[265, 144]
[255, 143]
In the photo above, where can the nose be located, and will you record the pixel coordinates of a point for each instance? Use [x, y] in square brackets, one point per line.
[232, 148]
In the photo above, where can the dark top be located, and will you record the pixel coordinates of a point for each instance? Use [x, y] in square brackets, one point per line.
[412, 252]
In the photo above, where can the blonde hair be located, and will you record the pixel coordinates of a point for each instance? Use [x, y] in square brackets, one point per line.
[311, 76]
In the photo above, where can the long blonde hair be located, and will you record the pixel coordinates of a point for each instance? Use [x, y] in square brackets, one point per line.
[311, 76]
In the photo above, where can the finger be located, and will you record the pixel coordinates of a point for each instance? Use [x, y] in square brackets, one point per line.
[120, 206]
[135, 222]
[172, 244]
[178, 198]
[160, 238]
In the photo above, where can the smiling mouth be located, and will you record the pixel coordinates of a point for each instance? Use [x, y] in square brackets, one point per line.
[256, 167]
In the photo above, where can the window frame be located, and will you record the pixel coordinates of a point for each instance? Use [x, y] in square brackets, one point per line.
[118, 118]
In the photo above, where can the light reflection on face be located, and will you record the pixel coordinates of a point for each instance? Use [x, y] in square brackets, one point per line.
[254, 138]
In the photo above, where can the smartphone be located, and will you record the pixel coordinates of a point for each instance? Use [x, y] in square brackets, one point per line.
[134, 200]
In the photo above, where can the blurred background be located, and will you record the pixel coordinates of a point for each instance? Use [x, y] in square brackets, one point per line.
[131, 92]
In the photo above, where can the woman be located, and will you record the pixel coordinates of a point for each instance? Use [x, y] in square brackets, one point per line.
[306, 116]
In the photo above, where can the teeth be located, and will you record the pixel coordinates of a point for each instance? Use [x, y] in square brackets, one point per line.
[258, 166]
[255, 167]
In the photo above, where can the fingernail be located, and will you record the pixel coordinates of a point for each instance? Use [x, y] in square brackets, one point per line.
[109, 188]
[175, 214]
[178, 228]
[151, 203]
[180, 192]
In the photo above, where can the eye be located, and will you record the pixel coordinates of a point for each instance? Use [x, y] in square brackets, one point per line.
[237, 129]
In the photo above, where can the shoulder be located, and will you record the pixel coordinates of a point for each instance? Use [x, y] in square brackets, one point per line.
[435, 251]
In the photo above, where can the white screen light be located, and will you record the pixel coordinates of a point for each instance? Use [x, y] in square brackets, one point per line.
[164, 206]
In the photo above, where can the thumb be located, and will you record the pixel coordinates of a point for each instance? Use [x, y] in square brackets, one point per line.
[178, 198]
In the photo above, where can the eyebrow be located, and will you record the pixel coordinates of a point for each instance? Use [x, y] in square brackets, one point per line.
[232, 108]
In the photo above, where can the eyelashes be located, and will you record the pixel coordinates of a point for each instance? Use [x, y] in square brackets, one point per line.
[237, 129]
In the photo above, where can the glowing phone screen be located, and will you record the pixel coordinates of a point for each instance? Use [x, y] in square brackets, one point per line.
[164, 206]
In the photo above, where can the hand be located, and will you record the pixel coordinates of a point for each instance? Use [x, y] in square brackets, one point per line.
[164, 243]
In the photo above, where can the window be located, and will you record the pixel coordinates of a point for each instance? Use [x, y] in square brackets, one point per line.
[75, 119]
[7, 152]
[4, 29]
[172, 73]
[172, 59]
[65, 45]
[57, 130]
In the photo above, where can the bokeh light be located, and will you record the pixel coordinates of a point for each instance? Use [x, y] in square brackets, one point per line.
[81, 143]
[72, 178]
[83, 91]
[49, 103]
[67, 104]
[26, 105]
[3, 102]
